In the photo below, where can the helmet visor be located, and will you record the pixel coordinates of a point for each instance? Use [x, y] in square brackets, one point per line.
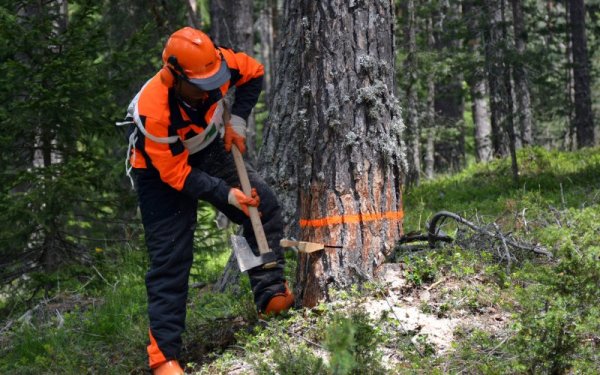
[215, 81]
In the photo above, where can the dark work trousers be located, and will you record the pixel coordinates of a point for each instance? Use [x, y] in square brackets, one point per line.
[169, 219]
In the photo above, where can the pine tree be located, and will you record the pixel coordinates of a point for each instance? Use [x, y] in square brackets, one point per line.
[333, 140]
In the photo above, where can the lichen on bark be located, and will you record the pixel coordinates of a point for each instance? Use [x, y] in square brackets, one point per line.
[336, 126]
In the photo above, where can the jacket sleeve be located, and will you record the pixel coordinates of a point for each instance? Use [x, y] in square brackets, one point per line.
[247, 76]
[170, 159]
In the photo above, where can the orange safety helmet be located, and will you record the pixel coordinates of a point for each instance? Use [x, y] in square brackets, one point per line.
[190, 55]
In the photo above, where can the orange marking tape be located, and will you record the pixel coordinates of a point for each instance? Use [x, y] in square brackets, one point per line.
[351, 219]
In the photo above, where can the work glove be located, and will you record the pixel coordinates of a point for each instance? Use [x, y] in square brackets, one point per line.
[241, 201]
[235, 133]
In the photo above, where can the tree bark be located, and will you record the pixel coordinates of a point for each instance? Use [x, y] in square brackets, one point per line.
[413, 132]
[494, 67]
[333, 142]
[483, 127]
[509, 103]
[499, 94]
[430, 129]
[477, 84]
[266, 26]
[570, 134]
[192, 14]
[230, 278]
[583, 120]
[449, 101]
[232, 26]
[523, 98]
[45, 145]
[429, 121]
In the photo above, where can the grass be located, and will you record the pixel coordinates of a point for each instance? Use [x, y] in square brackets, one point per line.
[84, 330]
[547, 178]
[554, 320]
[95, 319]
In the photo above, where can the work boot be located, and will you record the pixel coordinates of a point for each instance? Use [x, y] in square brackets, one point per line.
[279, 303]
[168, 368]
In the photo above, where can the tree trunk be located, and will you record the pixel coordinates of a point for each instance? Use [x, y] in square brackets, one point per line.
[477, 86]
[333, 142]
[231, 24]
[449, 101]
[429, 121]
[230, 278]
[523, 98]
[584, 120]
[413, 133]
[570, 133]
[483, 127]
[494, 67]
[266, 27]
[232, 27]
[494, 57]
[430, 129]
[449, 108]
[45, 146]
[192, 13]
[509, 123]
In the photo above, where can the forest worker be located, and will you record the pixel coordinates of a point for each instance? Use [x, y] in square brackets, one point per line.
[180, 152]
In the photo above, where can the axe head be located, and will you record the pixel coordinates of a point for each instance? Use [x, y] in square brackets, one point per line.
[246, 258]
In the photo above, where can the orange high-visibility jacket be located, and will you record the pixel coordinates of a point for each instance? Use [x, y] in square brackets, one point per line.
[167, 132]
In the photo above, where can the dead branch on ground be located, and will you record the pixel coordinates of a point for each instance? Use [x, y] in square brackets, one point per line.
[435, 234]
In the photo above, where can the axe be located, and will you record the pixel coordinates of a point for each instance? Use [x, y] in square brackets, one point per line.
[243, 253]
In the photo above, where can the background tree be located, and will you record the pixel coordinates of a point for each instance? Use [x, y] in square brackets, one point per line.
[68, 70]
[476, 79]
[523, 110]
[583, 119]
[232, 27]
[498, 73]
[449, 98]
[267, 24]
[429, 123]
[136, 32]
[413, 131]
[63, 189]
[333, 140]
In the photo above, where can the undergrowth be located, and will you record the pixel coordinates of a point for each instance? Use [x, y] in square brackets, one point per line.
[553, 303]
[347, 340]
[93, 320]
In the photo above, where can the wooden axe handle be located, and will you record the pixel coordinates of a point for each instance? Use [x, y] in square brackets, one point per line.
[259, 233]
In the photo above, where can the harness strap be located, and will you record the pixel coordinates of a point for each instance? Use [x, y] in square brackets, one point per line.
[193, 144]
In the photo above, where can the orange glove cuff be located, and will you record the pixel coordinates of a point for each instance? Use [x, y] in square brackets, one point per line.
[233, 137]
[240, 200]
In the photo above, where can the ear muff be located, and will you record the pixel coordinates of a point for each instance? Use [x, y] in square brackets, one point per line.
[167, 77]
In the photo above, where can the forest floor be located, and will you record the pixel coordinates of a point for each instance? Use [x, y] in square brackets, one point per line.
[477, 305]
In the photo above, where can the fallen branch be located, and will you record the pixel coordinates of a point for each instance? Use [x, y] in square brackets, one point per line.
[433, 233]
[418, 236]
